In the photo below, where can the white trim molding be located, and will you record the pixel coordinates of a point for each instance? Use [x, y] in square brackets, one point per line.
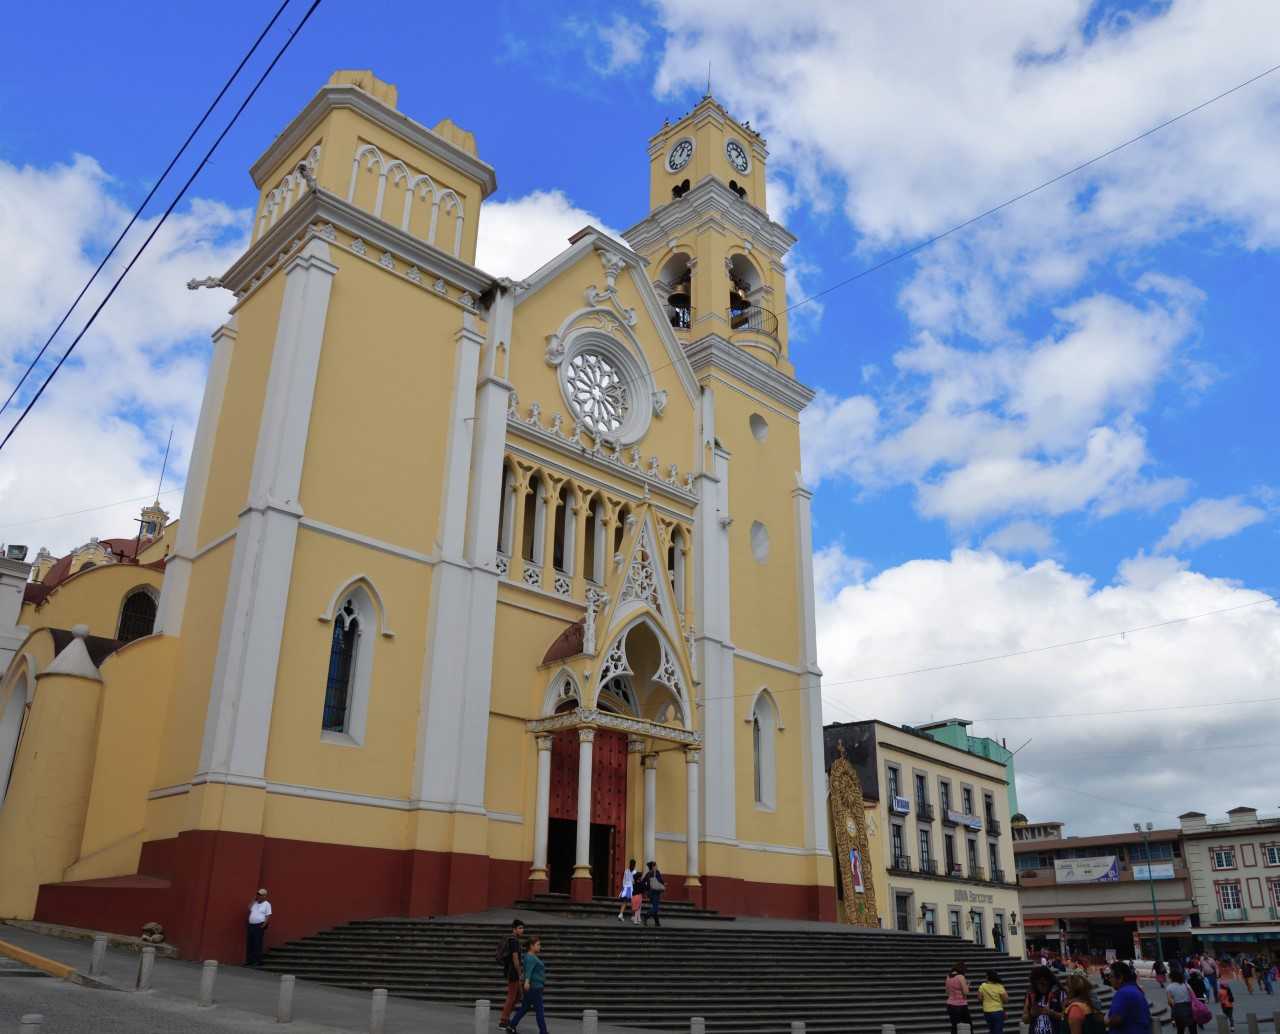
[714, 350]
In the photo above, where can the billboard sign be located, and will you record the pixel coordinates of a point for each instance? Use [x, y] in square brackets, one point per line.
[1087, 870]
[1155, 871]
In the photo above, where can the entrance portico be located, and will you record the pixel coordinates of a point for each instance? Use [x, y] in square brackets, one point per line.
[648, 739]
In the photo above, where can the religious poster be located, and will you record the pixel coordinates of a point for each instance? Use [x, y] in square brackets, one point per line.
[855, 864]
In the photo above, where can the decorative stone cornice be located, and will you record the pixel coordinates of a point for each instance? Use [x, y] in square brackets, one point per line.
[327, 210]
[709, 199]
[591, 718]
[332, 98]
[714, 350]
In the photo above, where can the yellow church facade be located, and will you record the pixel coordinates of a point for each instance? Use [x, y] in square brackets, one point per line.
[480, 588]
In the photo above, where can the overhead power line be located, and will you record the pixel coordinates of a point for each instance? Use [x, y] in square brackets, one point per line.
[145, 201]
[89, 509]
[163, 218]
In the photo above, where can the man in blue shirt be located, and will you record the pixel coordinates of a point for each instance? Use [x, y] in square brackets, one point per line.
[1130, 1013]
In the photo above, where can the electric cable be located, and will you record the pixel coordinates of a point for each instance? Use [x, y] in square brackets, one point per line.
[156, 229]
[89, 509]
[142, 206]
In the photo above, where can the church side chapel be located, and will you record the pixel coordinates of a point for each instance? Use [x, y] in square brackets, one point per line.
[480, 587]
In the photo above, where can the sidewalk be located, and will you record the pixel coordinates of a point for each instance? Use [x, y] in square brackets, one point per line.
[246, 998]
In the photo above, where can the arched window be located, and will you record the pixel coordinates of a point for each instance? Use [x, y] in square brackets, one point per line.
[675, 567]
[342, 662]
[764, 728]
[562, 535]
[137, 616]
[535, 509]
[593, 547]
[506, 511]
[620, 529]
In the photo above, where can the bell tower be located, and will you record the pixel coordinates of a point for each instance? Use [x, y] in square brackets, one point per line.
[715, 255]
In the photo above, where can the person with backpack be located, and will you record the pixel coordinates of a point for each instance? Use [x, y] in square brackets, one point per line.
[994, 997]
[1196, 981]
[1209, 968]
[1083, 1017]
[1228, 1003]
[535, 982]
[652, 884]
[1042, 1009]
[510, 956]
[628, 892]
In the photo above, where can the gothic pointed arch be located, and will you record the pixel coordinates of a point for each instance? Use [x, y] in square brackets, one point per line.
[563, 688]
[365, 583]
[649, 660]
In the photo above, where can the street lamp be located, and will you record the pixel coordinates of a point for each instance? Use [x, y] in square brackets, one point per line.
[1151, 883]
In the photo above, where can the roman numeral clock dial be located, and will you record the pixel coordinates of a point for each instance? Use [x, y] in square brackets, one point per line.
[737, 155]
[680, 155]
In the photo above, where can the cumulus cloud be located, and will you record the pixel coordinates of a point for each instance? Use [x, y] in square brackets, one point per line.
[1096, 771]
[1020, 537]
[1208, 519]
[520, 235]
[98, 433]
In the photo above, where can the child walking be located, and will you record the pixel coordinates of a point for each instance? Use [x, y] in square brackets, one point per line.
[1228, 1002]
[535, 981]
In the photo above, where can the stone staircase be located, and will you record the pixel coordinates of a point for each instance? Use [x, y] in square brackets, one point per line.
[560, 904]
[749, 976]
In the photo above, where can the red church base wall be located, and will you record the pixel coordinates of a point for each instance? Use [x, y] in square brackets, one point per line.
[199, 885]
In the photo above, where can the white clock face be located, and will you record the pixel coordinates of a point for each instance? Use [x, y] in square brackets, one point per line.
[680, 155]
[737, 155]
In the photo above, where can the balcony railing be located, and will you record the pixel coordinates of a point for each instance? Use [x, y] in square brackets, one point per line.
[997, 876]
[956, 869]
[681, 316]
[902, 863]
[949, 817]
[929, 865]
[976, 872]
[924, 811]
[993, 826]
[1231, 915]
[753, 317]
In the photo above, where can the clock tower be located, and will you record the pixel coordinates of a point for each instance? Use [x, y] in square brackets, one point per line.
[715, 259]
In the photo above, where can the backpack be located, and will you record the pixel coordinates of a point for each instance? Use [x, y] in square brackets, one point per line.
[503, 956]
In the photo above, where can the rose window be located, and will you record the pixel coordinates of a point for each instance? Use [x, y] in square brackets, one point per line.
[597, 393]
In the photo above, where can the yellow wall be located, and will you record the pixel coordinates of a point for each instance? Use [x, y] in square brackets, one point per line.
[93, 597]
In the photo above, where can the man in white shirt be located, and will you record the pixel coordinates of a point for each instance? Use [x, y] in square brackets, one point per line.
[259, 918]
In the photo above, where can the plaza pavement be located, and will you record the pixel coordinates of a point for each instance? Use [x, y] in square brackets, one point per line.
[246, 1000]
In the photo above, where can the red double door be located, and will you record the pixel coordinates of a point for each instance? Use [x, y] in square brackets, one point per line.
[608, 810]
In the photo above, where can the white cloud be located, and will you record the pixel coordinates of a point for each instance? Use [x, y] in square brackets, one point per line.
[98, 432]
[520, 235]
[975, 604]
[1019, 537]
[1208, 519]
[837, 435]
[833, 569]
[624, 42]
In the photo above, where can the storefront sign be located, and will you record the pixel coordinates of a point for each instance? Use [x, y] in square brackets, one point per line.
[972, 897]
[1087, 870]
[1156, 871]
[1168, 924]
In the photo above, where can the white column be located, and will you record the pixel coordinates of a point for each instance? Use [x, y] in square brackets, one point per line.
[582, 854]
[650, 765]
[691, 758]
[542, 807]
[815, 793]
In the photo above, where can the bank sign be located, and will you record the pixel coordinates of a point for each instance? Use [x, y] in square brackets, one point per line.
[1087, 870]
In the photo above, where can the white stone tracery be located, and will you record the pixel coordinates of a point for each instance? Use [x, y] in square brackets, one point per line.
[641, 582]
[418, 187]
[598, 394]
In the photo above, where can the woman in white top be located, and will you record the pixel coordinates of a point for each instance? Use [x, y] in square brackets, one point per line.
[628, 890]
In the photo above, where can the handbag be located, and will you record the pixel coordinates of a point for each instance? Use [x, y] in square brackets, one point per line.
[1201, 1015]
[657, 884]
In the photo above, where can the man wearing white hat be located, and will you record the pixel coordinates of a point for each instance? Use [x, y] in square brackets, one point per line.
[259, 917]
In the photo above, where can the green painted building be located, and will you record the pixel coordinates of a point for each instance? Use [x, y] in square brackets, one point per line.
[955, 733]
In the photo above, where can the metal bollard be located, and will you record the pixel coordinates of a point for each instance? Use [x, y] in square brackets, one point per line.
[797, 1027]
[1252, 1020]
[697, 1025]
[1155, 1026]
[378, 1011]
[1223, 1026]
[99, 954]
[208, 974]
[146, 964]
[888, 1028]
[1276, 1020]
[482, 1016]
[284, 1004]
[590, 1021]
[964, 1028]
[30, 1023]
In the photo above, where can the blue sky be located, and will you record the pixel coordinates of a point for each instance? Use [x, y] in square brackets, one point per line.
[1057, 424]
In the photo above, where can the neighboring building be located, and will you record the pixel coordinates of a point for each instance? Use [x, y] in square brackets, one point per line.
[1235, 874]
[1024, 830]
[14, 571]
[1087, 895]
[955, 732]
[480, 586]
[940, 853]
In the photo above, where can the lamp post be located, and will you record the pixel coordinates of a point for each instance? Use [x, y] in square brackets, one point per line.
[1151, 884]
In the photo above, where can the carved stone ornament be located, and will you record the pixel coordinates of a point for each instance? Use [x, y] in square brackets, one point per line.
[359, 246]
[848, 811]
[439, 287]
[613, 264]
[615, 661]
[327, 231]
[555, 350]
[513, 405]
[589, 717]
[387, 261]
[641, 582]
[659, 403]
[596, 602]
[414, 274]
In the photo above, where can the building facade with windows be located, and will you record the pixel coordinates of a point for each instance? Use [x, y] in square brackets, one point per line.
[1091, 895]
[955, 732]
[480, 587]
[1235, 873]
[941, 851]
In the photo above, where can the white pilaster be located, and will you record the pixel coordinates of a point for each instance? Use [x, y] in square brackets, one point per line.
[13, 583]
[691, 758]
[241, 697]
[177, 568]
[712, 588]
[815, 793]
[582, 851]
[542, 808]
[649, 763]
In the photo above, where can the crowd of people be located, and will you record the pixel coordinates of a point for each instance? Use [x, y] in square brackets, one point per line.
[1063, 999]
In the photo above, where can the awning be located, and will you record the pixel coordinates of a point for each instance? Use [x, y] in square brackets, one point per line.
[1163, 918]
[1237, 933]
